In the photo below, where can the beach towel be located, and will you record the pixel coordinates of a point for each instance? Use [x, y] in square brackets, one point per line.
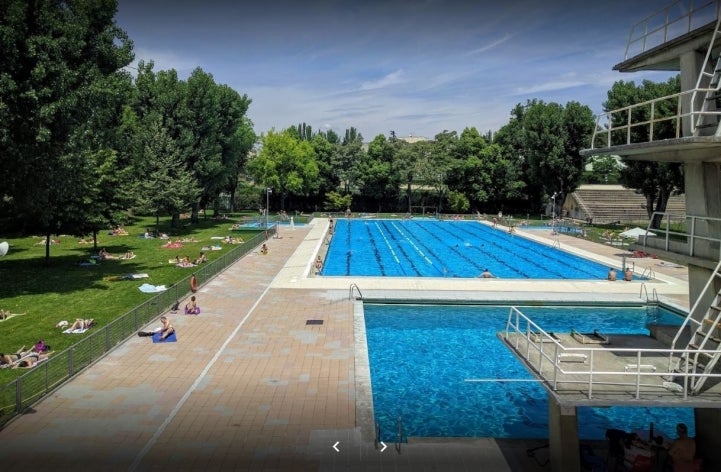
[169, 339]
[136, 276]
[147, 288]
[75, 331]
[185, 265]
[217, 237]
[4, 248]
[6, 316]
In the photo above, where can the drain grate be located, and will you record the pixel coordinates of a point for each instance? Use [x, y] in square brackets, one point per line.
[313, 322]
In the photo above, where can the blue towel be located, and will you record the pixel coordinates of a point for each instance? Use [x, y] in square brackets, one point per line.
[169, 339]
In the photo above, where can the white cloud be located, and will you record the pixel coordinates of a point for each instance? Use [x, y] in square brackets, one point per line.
[549, 86]
[166, 60]
[391, 79]
[489, 46]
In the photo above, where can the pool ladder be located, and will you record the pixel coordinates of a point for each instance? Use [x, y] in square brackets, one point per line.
[399, 439]
[354, 288]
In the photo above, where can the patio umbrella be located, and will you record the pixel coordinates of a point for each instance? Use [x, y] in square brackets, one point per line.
[634, 233]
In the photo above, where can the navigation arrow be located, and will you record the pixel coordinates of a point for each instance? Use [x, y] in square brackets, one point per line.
[384, 446]
[335, 446]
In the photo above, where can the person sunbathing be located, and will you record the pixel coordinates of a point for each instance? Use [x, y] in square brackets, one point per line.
[167, 328]
[30, 361]
[82, 324]
[8, 360]
[192, 308]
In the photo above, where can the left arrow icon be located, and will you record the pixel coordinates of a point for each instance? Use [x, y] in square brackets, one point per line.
[335, 446]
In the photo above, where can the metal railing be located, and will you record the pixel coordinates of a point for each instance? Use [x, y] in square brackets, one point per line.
[670, 22]
[19, 394]
[353, 289]
[690, 238]
[521, 332]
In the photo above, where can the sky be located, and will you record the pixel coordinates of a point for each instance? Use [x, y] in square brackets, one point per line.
[413, 67]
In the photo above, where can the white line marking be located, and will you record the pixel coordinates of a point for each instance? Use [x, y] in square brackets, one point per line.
[151, 442]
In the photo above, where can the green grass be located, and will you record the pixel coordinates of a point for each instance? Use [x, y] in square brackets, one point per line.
[60, 289]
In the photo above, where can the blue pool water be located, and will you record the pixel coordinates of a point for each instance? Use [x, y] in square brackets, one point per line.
[421, 356]
[432, 248]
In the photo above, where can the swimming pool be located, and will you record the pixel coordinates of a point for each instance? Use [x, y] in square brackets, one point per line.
[444, 371]
[431, 248]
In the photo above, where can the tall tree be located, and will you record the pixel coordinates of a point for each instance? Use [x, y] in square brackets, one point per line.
[167, 188]
[54, 54]
[285, 164]
[378, 178]
[657, 181]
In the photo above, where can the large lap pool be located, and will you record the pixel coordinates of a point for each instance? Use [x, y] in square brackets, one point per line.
[431, 248]
[444, 371]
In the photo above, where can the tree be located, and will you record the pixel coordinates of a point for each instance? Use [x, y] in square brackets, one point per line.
[657, 181]
[54, 55]
[377, 178]
[166, 188]
[553, 137]
[285, 164]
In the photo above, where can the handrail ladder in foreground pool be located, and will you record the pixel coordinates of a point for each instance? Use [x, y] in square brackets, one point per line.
[351, 289]
[605, 372]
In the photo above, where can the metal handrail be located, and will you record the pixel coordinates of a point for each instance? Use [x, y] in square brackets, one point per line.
[400, 434]
[605, 121]
[521, 327]
[350, 292]
[691, 235]
[661, 26]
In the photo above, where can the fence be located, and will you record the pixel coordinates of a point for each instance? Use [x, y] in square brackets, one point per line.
[21, 393]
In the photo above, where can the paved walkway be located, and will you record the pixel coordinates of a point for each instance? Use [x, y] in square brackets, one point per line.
[250, 385]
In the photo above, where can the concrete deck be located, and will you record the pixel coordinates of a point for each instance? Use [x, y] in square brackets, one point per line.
[250, 386]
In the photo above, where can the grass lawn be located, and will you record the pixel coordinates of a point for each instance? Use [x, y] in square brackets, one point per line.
[59, 289]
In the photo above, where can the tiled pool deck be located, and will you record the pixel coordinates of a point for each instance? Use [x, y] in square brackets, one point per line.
[250, 386]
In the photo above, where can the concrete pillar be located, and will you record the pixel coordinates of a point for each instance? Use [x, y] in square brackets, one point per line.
[703, 181]
[708, 440]
[690, 63]
[563, 437]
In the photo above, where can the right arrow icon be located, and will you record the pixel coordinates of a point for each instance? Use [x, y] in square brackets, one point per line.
[384, 446]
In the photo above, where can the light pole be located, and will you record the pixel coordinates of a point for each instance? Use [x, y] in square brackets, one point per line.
[268, 191]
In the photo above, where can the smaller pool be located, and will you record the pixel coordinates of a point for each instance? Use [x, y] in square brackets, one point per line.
[444, 371]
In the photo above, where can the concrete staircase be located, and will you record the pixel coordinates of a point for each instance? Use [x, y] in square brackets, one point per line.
[611, 203]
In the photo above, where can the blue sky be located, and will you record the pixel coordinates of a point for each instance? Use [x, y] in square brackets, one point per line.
[414, 67]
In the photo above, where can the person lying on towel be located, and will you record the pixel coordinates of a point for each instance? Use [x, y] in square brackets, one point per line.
[80, 323]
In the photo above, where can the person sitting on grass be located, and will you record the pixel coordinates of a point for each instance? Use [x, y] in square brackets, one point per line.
[105, 254]
[201, 258]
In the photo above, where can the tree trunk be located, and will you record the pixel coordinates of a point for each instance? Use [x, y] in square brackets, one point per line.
[47, 248]
[195, 209]
[95, 240]
[175, 221]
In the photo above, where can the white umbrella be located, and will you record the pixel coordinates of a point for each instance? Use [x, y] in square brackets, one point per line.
[4, 248]
[634, 233]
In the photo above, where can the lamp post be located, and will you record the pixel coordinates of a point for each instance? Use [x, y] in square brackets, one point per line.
[268, 191]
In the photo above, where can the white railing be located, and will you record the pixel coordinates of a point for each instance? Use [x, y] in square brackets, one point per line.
[543, 352]
[690, 237]
[670, 22]
[616, 127]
